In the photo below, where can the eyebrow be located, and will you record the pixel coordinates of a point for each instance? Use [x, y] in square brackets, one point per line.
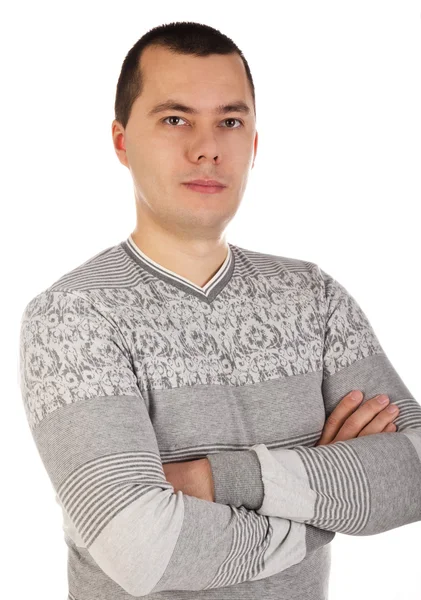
[222, 109]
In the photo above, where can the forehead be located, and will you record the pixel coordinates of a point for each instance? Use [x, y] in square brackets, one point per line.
[167, 74]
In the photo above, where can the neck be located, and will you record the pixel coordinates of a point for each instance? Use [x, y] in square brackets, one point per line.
[195, 259]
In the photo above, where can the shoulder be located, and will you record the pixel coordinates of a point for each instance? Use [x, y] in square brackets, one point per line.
[72, 287]
[97, 271]
[274, 264]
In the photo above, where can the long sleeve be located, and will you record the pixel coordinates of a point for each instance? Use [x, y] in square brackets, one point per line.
[363, 486]
[94, 435]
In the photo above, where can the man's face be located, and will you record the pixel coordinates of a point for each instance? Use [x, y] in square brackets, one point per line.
[162, 153]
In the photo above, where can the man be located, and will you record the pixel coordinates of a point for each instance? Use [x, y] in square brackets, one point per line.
[193, 401]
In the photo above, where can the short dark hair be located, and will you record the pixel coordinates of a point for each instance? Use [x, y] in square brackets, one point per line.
[184, 37]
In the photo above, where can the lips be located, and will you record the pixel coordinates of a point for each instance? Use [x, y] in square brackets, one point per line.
[206, 182]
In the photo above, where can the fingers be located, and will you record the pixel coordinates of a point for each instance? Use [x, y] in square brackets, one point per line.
[339, 415]
[370, 418]
[390, 427]
[381, 421]
[351, 416]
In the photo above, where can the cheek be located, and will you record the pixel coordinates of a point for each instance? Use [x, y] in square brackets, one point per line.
[163, 155]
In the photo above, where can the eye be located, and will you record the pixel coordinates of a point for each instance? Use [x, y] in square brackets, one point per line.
[173, 117]
[230, 119]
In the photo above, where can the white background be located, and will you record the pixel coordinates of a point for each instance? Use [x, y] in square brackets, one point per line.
[336, 182]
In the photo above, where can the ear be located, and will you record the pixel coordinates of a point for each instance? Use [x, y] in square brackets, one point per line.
[256, 141]
[118, 133]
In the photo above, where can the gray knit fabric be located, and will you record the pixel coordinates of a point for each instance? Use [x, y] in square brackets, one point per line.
[126, 365]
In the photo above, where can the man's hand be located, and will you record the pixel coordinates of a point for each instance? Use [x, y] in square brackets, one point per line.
[193, 477]
[346, 423]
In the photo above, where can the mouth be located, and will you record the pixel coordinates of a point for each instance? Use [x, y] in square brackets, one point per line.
[206, 182]
[205, 188]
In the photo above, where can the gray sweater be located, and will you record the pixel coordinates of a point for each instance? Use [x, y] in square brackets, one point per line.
[126, 365]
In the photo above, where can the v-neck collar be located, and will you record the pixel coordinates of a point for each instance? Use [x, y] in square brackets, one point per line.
[207, 293]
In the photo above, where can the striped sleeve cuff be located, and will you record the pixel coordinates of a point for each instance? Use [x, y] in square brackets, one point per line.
[237, 478]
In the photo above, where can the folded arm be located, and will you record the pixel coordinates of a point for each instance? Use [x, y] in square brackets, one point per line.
[361, 486]
[94, 435]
